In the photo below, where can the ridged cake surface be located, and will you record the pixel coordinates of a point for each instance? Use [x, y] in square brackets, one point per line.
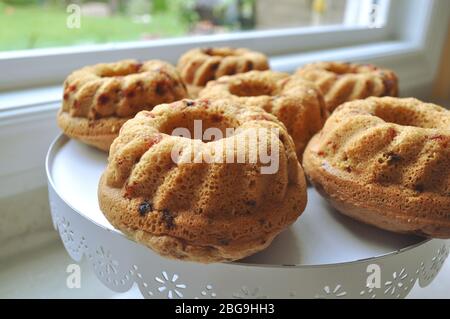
[386, 162]
[342, 82]
[296, 102]
[98, 99]
[199, 66]
[201, 211]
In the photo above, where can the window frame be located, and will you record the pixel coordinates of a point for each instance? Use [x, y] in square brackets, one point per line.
[46, 66]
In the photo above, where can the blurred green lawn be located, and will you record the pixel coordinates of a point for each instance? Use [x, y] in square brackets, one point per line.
[30, 27]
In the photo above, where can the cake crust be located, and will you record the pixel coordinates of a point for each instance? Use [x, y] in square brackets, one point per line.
[98, 99]
[98, 133]
[199, 211]
[199, 66]
[386, 162]
[343, 82]
[296, 102]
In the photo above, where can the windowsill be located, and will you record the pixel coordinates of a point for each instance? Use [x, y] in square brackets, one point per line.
[36, 96]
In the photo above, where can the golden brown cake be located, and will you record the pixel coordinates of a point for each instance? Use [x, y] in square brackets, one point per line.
[203, 211]
[294, 101]
[98, 99]
[386, 162]
[343, 82]
[199, 66]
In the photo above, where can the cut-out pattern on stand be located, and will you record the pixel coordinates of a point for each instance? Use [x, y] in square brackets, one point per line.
[169, 284]
[368, 294]
[332, 293]
[427, 274]
[397, 285]
[119, 268]
[208, 292]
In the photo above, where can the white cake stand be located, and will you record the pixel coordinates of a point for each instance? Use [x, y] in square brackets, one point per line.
[323, 255]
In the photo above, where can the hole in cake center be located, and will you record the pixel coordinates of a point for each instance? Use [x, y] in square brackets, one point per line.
[121, 71]
[218, 52]
[405, 116]
[246, 89]
[206, 127]
[342, 69]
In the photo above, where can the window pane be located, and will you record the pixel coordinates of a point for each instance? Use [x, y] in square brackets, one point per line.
[30, 24]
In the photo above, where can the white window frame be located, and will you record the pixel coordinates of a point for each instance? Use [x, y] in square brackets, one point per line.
[358, 13]
[50, 65]
[410, 43]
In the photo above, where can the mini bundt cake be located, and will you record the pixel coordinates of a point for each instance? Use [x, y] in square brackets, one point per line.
[199, 66]
[343, 82]
[295, 102]
[156, 191]
[98, 99]
[386, 162]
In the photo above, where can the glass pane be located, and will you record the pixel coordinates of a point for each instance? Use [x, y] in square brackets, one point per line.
[30, 24]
